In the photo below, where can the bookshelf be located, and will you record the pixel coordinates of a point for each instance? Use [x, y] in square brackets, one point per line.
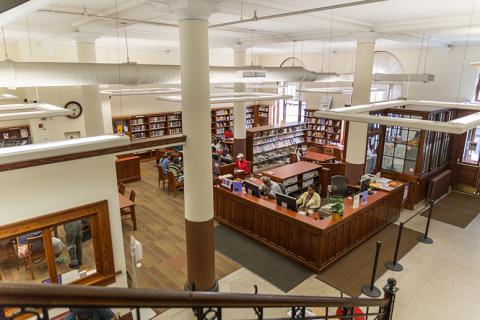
[321, 131]
[15, 136]
[222, 118]
[148, 125]
[261, 114]
[249, 121]
[269, 146]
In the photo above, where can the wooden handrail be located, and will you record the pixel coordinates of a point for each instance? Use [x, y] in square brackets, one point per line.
[52, 295]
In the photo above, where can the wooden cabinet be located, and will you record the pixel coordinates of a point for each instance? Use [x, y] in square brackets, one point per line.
[128, 169]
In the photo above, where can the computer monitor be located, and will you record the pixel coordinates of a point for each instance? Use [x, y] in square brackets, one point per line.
[225, 160]
[252, 189]
[215, 156]
[364, 184]
[286, 201]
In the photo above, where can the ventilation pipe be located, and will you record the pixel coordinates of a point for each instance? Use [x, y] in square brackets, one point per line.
[45, 74]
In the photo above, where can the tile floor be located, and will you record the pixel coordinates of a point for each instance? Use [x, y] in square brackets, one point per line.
[438, 281]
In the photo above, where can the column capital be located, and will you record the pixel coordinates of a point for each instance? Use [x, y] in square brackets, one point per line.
[192, 9]
[85, 37]
[365, 36]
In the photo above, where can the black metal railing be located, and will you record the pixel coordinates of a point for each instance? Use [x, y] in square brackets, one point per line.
[22, 301]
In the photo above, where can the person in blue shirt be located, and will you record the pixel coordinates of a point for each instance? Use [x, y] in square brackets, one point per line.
[90, 314]
[165, 162]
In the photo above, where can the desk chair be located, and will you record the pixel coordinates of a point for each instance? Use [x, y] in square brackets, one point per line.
[8, 249]
[293, 157]
[250, 166]
[129, 213]
[173, 184]
[162, 177]
[339, 185]
[121, 188]
[35, 253]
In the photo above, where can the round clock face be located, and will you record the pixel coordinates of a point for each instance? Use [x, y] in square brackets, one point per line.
[75, 107]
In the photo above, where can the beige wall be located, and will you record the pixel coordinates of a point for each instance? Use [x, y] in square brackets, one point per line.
[36, 191]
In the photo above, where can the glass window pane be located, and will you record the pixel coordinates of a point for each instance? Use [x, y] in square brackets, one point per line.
[389, 148]
[400, 150]
[409, 167]
[387, 163]
[471, 149]
[397, 165]
[411, 153]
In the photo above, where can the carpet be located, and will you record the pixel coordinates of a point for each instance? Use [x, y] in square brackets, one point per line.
[355, 269]
[282, 272]
[458, 209]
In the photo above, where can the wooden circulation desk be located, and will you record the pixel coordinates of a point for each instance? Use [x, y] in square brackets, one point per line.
[313, 243]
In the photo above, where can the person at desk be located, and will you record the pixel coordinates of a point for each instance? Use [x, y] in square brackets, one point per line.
[300, 151]
[217, 144]
[269, 188]
[228, 134]
[165, 162]
[176, 169]
[309, 200]
[225, 156]
[241, 164]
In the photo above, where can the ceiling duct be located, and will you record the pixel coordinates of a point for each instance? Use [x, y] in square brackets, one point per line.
[46, 74]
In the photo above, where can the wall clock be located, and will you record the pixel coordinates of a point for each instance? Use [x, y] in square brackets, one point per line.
[75, 107]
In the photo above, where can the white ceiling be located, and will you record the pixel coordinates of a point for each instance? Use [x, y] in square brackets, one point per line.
[401, 23]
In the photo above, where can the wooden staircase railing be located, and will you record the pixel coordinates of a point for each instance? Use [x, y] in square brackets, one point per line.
[20, 299]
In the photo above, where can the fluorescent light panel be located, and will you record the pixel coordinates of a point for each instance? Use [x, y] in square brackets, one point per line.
[233, 97]
[7, 97]
[141, 91]
[253, 86]
[358, 114]
[60, 148]
[31, 111]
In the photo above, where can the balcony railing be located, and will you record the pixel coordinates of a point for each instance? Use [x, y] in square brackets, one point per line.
[22, 301]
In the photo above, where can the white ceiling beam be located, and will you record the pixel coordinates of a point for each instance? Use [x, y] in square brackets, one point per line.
[22, 10]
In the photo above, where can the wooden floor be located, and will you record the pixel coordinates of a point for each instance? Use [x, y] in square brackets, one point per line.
[161, 230]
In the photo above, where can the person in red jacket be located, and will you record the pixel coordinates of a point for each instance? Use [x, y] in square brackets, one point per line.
[228, 134]
[241, 164]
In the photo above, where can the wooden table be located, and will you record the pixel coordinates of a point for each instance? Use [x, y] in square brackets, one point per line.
[290, 170]
[313, 243]
[317, 157]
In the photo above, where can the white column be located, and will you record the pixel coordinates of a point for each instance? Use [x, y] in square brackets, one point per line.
[93, 112]
[362, 83]
[196, 117]
[239, 108]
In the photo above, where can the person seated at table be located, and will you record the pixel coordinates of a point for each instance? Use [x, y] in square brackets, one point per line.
[228, 134]
[309, 200]
[57, 244]
[300, 151]
[241, 164]
[177, 170]
[217, 144]
[269, 188]
[225, 156]
[165, 162]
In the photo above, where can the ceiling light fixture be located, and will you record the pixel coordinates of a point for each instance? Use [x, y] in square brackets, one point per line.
[7, 97]
[253, 86]
[31, 111]
[360, 114]
[59, 148]
[140, 92]
[233, 97]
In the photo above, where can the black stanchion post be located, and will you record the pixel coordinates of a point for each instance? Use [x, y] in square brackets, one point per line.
[394, 265]
[370, 289]
[424, 237]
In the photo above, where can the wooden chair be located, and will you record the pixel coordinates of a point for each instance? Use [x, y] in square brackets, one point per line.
[8, 249]
[173, 184]
[129, 213]
[161, 177]
[293, 157]
[121, 188]
[36, 253]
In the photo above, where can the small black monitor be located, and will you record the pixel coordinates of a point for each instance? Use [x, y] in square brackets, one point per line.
[364, 184]
[215, 156]
[286, 201]
[225, 160]
[252, 189]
